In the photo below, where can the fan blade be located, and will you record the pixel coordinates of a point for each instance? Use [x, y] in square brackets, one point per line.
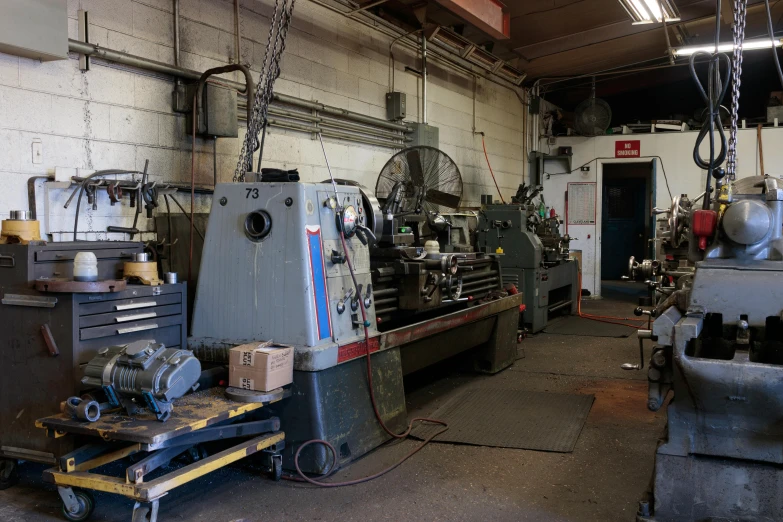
[417, 172]
[438, 197]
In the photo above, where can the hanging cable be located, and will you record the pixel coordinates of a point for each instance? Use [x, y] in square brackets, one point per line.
[712, 96]
[774, 48]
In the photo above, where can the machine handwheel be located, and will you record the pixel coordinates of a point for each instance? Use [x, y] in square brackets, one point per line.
[276, 472]
[9, 473]
[86, 506]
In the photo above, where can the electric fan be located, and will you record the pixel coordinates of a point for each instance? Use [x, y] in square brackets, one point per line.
[593, 116]
[420, 179]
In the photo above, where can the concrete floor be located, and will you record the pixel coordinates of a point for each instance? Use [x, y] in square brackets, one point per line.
[602, 480]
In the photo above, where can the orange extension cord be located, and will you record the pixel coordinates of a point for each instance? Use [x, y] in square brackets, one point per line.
[490, 168]
[604, 318]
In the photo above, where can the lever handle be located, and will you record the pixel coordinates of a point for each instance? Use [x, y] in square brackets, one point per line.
[368, 232]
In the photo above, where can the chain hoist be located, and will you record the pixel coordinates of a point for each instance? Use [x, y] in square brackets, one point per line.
[270, 70]
[738, 33]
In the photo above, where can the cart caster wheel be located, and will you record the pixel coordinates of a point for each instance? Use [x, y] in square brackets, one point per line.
[9, 473]
[276, 473]
[86, 506]
[145, 512]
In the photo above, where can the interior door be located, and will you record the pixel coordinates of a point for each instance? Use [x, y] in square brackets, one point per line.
[623, 225]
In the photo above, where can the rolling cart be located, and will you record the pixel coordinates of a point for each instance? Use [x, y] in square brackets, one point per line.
[201, 417]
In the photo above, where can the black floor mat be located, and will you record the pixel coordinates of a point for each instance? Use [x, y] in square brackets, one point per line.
[575, 325]
[512, 419]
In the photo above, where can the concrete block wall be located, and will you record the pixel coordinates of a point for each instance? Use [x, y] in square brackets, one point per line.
[118, 117]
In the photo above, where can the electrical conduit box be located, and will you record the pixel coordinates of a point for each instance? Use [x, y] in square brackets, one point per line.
[36, 29]
[425, 135]
[261, 366]
[395, 106]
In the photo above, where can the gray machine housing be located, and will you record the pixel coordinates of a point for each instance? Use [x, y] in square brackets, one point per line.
[250, 290]
[722, 355]
[547, 278]
[273, 268]
[143, 370]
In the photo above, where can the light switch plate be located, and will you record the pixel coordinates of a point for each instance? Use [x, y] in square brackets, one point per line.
[37, 152]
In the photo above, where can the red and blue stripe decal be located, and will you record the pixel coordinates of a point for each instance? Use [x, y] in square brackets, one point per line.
[318, 275]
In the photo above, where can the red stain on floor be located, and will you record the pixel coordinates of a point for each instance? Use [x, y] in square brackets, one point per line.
[619, 401]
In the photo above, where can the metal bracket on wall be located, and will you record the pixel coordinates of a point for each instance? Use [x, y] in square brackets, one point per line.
[84, 36]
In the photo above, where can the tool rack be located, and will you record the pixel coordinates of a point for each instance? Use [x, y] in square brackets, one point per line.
[201, 417]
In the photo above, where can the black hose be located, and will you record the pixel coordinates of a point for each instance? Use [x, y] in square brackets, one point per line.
[712, 96]
[772, 37]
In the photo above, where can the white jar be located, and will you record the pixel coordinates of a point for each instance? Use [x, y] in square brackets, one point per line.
[85, 267]
[432, 247]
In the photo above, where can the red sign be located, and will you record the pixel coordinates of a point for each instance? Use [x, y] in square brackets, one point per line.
[627, 149]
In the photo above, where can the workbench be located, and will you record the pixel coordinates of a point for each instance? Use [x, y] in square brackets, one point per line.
[201, 417]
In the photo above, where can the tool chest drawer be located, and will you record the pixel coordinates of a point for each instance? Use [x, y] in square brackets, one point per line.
[128, 305]
[126, 328]
[129, 315]
[70, 255]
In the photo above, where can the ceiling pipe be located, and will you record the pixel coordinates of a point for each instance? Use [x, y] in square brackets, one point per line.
[441, 54]
[424, 78]
[366, 6]
[176, 33]
[237, 34]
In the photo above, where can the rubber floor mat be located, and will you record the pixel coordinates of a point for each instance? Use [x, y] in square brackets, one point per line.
[575, 325]
[512, 419]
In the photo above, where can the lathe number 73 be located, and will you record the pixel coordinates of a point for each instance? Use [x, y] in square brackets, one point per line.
[252, 193]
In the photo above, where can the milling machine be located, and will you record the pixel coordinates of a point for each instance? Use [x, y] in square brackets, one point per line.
[719, 348]
[535, 256]
[290, 281]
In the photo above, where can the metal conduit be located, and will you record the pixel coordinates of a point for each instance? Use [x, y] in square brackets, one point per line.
[349, 115]
[111, 55]
[336, 134]
[330, 122]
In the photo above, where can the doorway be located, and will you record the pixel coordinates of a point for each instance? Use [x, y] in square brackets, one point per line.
[626, 223]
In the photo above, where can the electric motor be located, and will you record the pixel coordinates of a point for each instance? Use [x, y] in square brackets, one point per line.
[143, 370]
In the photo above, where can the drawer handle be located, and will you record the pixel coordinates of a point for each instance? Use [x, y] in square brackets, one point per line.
[126, 318]
[132, 329]
[133, 306]
[7, 261]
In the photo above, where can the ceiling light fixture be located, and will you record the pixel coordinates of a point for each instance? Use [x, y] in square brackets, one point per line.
[650, 11]
[748, 45]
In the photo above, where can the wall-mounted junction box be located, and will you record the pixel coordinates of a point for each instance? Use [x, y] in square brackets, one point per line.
[395, 106]
[218, 117]
[424, 135]
[36, 29]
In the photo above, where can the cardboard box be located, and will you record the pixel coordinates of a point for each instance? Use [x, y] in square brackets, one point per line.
[262, 366]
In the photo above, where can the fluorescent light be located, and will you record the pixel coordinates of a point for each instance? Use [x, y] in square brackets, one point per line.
[748, 45]
[650, 11]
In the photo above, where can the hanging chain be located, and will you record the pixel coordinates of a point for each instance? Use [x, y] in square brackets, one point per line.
[270, 70]
[738, 32]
